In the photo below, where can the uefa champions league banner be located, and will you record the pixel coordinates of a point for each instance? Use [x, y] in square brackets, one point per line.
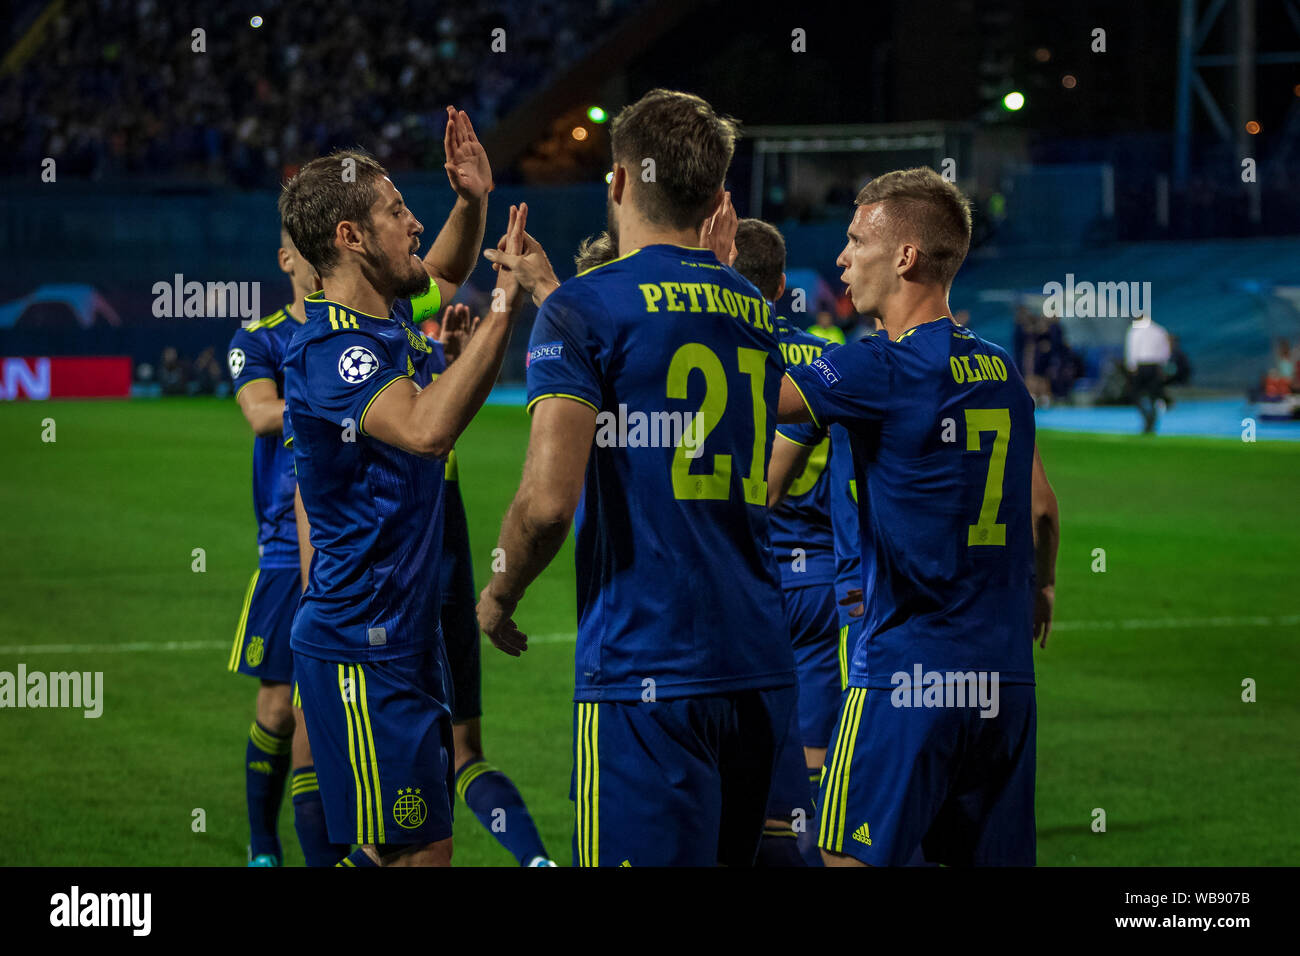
[91, 376]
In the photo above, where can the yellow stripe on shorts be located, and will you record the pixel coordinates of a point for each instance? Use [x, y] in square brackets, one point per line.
[858, 697]
[588, 774]
[352, 755]
[378, 800]
[243, 623]
[830, 834]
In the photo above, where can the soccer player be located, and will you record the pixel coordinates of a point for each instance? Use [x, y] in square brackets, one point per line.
[803, 545]
[261, 646]
[684, 672]
[371, 431]
[934, 746]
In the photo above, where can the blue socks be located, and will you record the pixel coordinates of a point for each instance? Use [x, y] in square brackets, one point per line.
[497, 803]
[309, 820]
[266, 764]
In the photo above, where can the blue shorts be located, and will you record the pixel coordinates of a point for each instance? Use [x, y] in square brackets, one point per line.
[944, 780]
[262, 635]
[675, 782]
[815, 634]
[459, 612]
[381, 741]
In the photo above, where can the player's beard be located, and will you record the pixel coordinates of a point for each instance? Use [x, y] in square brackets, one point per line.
[389, 280]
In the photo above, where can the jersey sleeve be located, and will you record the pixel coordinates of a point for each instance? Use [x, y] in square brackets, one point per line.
[345, 374]
[849, 384]
[563, 354]
[250, 359]
[803, 433]
[286, 432]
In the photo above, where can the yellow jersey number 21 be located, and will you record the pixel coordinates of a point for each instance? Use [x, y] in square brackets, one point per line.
[716, 484]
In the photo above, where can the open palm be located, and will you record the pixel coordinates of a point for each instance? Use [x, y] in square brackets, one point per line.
[467, 163]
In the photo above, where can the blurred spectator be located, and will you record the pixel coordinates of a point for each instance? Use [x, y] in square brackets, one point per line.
[824, 327]
[1146, 353]
[207, 376]
[171, 373]
[1046, 362]
[1285, 363]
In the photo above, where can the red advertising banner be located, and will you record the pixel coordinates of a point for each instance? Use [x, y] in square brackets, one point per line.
[69, 376]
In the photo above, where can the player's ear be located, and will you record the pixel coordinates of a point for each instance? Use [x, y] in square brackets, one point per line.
[780, 289]
[909, 257]
[347, 235]
[286, 260]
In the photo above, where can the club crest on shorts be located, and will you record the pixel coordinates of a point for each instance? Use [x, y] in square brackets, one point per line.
[235, 359]
[409, 810]
[256, 651]
[357, 364]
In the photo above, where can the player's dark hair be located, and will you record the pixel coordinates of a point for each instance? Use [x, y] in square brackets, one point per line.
[923, 207]
[330, 189]
[595, 251]
[691, 147]
[760, 255]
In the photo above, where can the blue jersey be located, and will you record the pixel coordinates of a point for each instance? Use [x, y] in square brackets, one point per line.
[942, 431]
[375, 510]
[676, 580]
[255, 354]
[802, 541]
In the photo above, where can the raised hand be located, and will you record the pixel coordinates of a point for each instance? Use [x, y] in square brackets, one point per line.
[532, 268]
[457, 328]
[467, 162]
[517, 271]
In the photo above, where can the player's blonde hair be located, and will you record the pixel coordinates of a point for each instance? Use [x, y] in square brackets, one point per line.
[924, 208]
[595, 251]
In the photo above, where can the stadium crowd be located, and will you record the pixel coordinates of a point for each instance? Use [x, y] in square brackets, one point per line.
[324, 75]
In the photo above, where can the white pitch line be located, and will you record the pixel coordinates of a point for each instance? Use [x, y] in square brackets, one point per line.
[1176, 623]
[113, 648]
[1135, 624]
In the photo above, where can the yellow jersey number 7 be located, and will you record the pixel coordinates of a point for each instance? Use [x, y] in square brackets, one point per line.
[987, 530]
[716, 484]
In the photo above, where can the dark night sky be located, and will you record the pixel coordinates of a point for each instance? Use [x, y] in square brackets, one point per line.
[920, 60]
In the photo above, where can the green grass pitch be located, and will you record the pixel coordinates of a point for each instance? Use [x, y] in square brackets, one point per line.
[1140, 687]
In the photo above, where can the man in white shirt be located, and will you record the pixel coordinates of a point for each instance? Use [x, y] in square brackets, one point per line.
[1146, 351]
